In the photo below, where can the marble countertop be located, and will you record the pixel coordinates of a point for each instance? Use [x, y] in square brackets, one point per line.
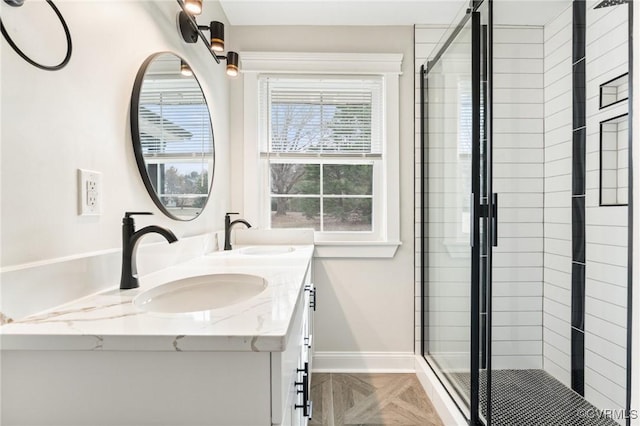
[110, 321]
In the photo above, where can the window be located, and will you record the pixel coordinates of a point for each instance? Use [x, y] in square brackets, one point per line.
[174, 125]
[321, 148]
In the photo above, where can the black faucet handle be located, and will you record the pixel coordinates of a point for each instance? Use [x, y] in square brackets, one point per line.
[129, 214]
[230, 213]
[128, 220]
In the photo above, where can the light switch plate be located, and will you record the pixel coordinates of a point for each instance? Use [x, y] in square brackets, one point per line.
[89, 193]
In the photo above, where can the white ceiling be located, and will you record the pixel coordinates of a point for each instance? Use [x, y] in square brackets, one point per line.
[341, 12]
[382, 12]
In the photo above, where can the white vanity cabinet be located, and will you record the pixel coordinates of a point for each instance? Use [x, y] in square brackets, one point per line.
[292, 368]
[99, 361]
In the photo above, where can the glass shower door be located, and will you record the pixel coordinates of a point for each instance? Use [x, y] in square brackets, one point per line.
[454, 229]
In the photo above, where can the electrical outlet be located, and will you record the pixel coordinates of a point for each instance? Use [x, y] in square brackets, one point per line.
[89, 192]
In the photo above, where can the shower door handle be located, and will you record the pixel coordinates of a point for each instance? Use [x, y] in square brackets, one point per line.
[494, 219]
[472, 218]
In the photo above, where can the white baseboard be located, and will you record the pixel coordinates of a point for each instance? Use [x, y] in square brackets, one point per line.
[364, 362]
[444, 405]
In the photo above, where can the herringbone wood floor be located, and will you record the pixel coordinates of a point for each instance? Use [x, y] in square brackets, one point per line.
[370, 399]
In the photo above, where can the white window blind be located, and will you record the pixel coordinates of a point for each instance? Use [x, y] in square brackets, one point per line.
[174, 118]
[322, 117]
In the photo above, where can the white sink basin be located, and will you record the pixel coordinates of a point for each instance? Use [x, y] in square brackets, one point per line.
[201, 293]
[266, 250]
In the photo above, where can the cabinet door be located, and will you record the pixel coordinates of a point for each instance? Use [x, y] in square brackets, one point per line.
[310, 304]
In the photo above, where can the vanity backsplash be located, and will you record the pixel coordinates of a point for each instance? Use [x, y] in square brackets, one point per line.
[31, 288]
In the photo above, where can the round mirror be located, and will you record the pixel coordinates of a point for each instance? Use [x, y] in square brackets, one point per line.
[172, 136]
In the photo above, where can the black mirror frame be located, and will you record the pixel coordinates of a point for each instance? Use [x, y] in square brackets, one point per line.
[137, 145]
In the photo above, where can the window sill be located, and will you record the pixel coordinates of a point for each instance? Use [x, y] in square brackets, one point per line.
[356, 249]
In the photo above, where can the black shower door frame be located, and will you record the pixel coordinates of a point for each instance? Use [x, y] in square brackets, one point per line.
[483, 207]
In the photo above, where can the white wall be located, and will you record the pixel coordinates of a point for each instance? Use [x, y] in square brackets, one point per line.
[56, 122]
[364, 305]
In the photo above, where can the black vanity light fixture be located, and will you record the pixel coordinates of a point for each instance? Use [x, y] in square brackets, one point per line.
[216, 29]
[191, 32]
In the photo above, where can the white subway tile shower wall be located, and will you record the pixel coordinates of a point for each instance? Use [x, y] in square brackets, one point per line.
[557, 198]
[518, 168]
[606, 227]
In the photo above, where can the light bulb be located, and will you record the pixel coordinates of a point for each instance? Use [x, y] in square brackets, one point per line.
[194, 7]
[185, 70]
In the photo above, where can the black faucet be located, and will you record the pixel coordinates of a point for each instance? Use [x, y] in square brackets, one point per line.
[130, 238]
[227, 228]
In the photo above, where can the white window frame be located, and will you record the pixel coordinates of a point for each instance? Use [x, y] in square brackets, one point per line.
[386, 66]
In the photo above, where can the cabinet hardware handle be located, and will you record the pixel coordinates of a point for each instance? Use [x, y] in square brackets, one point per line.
[305, 369]
[305, 394]
[312, 302]
[307, 409]
[312, 295]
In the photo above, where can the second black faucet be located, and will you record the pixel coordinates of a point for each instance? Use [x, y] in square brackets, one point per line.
[227, 228]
